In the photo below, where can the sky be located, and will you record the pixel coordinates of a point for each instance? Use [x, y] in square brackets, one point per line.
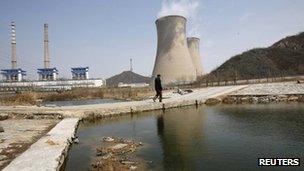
[105, 34]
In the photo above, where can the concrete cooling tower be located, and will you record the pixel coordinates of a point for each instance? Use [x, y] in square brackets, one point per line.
[193, 45]
[173, 60]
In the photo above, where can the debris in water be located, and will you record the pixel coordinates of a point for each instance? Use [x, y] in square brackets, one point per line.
[133, 167]
[107, 139]
[76, 140]
[117, 154]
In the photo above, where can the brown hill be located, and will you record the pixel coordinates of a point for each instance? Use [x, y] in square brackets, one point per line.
[127, 77]
[283, 58]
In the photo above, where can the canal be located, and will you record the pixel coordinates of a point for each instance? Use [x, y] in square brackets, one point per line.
[223, 137]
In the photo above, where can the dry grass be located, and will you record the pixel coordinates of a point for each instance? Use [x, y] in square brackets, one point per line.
[27, 98]
[33, 98]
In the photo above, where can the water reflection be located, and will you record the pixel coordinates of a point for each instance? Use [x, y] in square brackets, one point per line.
[182, 135]
[206, 138]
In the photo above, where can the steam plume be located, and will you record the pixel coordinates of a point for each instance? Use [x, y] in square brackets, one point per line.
[186, 8]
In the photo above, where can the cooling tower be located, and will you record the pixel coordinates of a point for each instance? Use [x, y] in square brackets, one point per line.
[193, 45]
[173, 60]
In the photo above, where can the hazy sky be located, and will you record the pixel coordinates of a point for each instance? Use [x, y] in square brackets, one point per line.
[105, 34]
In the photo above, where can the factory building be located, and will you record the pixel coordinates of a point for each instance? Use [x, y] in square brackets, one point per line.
[13, 74]
[47, 73]
[193, 45]
[173, 59]
[80, 73]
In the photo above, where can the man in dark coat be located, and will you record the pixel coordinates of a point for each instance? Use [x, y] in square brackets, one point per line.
[158, 88]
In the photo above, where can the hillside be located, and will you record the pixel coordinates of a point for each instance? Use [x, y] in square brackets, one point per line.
[283, 58]
[127, 77]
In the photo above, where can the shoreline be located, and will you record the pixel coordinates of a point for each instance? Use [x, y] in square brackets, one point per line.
[98, 111]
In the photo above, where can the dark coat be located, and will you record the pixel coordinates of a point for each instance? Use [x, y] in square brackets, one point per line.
[157, 83]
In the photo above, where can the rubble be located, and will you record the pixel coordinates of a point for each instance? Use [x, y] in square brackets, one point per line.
[107, 139]
[117, 154]
[263, 99]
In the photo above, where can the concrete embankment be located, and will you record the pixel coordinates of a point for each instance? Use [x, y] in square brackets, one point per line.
[171, 100]
[49, 152]
[267, 93]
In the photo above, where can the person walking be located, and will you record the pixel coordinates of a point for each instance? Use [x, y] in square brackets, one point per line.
[158, 88]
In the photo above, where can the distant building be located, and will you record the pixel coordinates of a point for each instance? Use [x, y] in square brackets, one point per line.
[53, 85]
[13, 74]
[80, 73]
[48, 74]
[133, 85]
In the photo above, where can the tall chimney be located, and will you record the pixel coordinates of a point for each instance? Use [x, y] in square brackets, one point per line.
[131, 65]
[13, 43]
[193, 45]
[173, 61]
[46, 47]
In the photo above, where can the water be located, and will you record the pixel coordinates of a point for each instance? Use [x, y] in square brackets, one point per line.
[80, 102]
[207, 138]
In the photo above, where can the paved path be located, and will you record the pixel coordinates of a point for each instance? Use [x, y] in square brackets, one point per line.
[285, 88]
[47, 153]
[99, 110]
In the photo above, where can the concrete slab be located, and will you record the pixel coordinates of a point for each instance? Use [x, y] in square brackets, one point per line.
[47, 153]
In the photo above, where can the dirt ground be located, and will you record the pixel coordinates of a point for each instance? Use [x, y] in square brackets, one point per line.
[19, 134]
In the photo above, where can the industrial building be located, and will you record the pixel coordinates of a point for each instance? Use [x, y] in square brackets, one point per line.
[173, 59]
[80, 73]
[13, 74]
[48, 76]
[193, 46]
[51, 85]
[47, 73]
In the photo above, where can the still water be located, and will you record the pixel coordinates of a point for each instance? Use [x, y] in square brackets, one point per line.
[205, 138]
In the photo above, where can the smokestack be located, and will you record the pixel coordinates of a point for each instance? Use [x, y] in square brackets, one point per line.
[131, 65]
[46, 47]
[13, 43]
[193, 45]
[173, 60]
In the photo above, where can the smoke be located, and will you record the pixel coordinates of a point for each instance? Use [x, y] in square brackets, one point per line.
[186, 8]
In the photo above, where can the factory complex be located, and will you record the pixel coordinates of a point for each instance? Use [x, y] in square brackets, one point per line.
[177, 60]
[47, 76]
